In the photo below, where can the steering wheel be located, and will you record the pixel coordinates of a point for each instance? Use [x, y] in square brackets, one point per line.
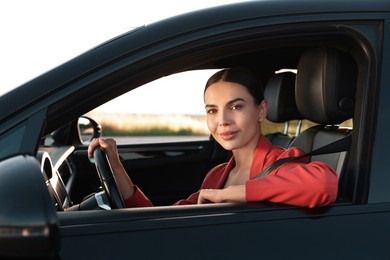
[107, 180]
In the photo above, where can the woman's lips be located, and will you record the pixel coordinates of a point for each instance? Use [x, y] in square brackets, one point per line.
[228, 135]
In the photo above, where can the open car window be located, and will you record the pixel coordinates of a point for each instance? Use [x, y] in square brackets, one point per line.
[168, 109]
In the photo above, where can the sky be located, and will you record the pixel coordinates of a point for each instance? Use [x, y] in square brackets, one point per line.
[39, 35]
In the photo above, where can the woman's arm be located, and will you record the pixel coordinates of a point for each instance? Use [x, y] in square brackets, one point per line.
[300, 184]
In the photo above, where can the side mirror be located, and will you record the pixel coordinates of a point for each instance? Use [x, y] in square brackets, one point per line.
[28, 220]
[88, 129]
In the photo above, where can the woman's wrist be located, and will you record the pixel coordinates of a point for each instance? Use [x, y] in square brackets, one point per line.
[234, 193]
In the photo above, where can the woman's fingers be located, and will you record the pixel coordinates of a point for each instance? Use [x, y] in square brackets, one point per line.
[92, 146]
[208, 196]
[108, 144]
[234, 193]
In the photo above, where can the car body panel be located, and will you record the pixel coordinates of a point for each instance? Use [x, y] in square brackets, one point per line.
[232, 231]
[379, 177]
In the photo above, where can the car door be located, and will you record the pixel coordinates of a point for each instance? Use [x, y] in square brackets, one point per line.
[244, 230]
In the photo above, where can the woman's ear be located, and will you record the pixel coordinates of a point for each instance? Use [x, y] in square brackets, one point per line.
[263, 110]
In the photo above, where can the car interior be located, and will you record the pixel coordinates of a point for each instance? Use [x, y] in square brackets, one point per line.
[282, 108]
[322, 92]
[330, 77]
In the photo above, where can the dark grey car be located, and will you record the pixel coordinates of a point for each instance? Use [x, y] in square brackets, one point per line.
[45, 171]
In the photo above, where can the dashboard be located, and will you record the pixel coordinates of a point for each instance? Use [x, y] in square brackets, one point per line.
[58, 174]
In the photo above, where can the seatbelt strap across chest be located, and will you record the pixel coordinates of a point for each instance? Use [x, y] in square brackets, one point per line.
[340, 145]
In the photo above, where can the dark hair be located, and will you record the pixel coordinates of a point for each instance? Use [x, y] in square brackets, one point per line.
[242, 76]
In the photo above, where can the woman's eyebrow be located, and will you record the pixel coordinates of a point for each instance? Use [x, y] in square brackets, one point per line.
[235, 100]
[227, 104]
[209, 105]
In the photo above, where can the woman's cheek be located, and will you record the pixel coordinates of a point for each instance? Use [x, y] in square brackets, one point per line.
[211, 125]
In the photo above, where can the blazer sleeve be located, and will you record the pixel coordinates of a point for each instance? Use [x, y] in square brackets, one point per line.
[138, 199]
[307, 184]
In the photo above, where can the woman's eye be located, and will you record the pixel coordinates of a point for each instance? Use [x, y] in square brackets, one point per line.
[211, 111]
[235, 107]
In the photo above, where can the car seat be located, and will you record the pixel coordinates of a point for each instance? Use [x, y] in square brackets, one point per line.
[325, 94]
[282, 108]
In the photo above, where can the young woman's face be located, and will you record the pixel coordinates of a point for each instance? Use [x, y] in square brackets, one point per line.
[233, 118]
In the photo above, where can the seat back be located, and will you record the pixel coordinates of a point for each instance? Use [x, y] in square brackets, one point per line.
[325, 94]
[280, 93]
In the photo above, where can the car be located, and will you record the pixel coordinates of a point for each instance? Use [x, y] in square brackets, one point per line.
[54, 204]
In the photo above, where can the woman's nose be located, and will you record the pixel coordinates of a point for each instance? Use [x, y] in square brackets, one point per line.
[224, 123]
[224, 120]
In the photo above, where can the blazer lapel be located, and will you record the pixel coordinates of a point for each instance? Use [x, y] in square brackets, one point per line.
[261, 151]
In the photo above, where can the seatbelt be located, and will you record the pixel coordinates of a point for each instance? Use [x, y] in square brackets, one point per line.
[340, 145]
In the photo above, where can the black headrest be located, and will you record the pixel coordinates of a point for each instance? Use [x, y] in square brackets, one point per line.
[280, 93]
[326, 85]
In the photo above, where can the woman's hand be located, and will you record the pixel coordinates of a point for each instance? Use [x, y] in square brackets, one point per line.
[122, 179]
[229, 194]
[109, 147]
[210, 196]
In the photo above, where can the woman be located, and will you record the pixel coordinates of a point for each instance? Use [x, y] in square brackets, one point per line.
[235, 109]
